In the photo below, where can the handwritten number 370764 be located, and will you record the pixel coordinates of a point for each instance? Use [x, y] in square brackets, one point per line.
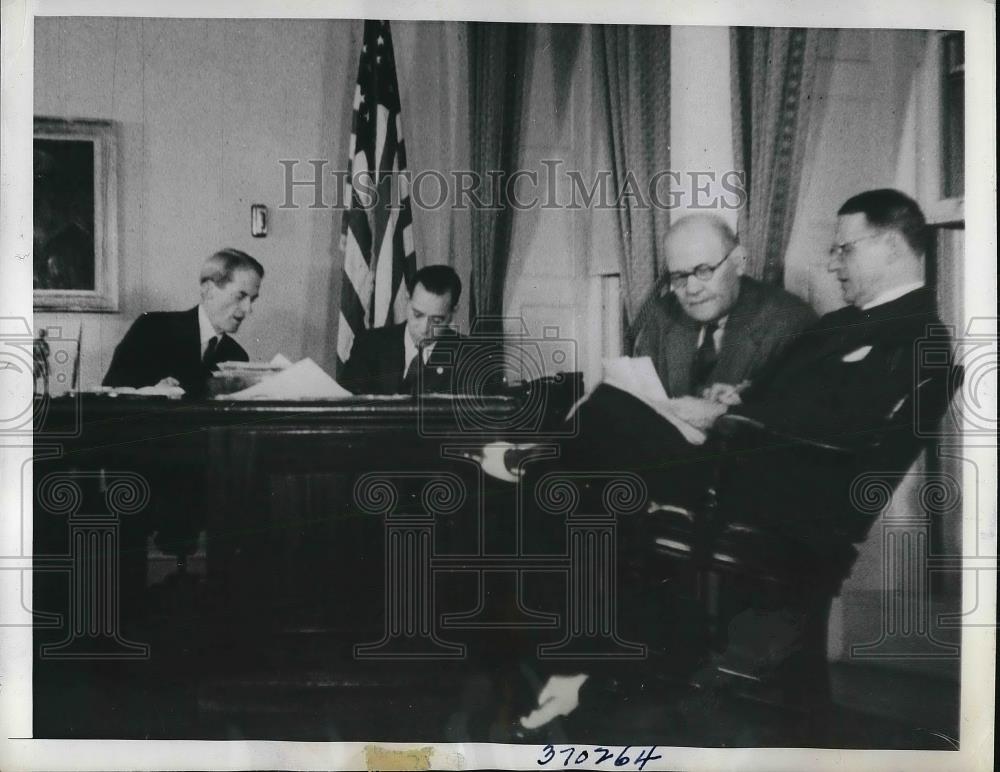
[573, 755]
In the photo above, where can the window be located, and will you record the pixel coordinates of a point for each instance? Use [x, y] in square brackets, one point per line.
[953, 114]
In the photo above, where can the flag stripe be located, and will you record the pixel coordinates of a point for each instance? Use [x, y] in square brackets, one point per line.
[376, 231]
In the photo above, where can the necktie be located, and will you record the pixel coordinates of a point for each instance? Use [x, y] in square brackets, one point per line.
[704, 360]
[410, 378]
[209, 359]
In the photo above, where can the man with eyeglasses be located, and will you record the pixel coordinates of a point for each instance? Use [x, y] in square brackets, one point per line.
[715, 329]
[845, 373]
[836, 384]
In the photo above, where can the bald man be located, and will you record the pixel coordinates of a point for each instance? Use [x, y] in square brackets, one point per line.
[713, 325]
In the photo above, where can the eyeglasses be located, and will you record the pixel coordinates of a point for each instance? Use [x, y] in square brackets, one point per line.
[703, 272]
[840, 250]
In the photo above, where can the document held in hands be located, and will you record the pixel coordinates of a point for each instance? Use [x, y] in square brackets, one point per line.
[637, 376]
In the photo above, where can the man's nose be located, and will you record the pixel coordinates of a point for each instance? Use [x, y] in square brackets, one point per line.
[833, 264]
[694, 286]
[247, 306]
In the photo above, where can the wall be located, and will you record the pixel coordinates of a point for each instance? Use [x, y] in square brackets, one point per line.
[206, 109]
[865, 79]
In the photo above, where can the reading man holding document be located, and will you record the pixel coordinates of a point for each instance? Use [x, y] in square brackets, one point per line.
[715, 325]
[182, 348]
[836, 384]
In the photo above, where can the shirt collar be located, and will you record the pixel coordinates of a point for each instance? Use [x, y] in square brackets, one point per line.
[410, 348]
[205, 328]
[893, 294]
[720, 326]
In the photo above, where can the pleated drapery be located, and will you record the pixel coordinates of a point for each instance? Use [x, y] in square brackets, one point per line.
[632, 83]
[773, 71]
[499, 67]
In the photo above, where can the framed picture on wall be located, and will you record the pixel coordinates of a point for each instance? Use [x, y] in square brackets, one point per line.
[75, 255]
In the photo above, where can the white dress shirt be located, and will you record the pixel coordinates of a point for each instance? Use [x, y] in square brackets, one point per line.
[720, 330]
[893, 294]
[410, 350]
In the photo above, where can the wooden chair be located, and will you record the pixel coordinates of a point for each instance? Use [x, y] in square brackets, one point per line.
[752, 563]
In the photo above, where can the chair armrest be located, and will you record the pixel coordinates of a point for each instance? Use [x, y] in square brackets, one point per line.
[729, 424]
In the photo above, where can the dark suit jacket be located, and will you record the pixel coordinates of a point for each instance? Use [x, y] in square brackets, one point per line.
[841, 378]
[166, 343]
[837, 384]
[376, 363]
[764, 320]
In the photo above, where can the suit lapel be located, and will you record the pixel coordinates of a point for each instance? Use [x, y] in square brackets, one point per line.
[189, 338]
[392, 364]
[742, 342]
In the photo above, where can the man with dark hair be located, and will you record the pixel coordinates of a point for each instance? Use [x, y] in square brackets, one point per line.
[182, 348]
[415, 355]
[846, 373]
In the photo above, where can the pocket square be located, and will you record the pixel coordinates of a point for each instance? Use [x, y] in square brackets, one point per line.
[857, 355]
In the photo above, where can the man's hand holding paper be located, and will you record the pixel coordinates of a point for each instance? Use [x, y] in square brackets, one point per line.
[726, 393]
[699, 413]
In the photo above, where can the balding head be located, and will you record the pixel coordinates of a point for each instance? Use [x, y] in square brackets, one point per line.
[698, 243]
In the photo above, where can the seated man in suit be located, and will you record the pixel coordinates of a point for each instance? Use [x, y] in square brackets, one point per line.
[835, 384]
[714, 325]
[417, 354]
[182, 348]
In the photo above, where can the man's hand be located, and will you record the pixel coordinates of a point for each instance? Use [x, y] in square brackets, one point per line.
[169, 381]
[559, 697]
[725, 393]
[698, 412]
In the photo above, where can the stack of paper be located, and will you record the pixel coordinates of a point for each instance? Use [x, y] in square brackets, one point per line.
[303, 380]
[170, 392]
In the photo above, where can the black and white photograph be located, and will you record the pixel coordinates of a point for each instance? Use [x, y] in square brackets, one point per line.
[421, 386]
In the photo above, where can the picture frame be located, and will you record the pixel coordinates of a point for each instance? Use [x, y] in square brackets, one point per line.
[75, 192]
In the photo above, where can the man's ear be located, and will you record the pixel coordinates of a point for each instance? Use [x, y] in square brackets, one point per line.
[895, 245]
[206, 287]
[739, 258]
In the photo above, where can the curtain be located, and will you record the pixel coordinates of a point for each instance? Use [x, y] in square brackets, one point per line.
[500, 63]
[773, 71]
[632, 100]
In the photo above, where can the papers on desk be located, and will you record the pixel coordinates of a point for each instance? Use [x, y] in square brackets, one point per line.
[170, 392]
[638, 377]
[303, 380]
[278, 362]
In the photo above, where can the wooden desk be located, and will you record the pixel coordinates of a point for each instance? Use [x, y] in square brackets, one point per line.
[315, 514]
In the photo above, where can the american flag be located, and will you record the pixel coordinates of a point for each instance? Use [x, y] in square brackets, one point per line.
[377, 230]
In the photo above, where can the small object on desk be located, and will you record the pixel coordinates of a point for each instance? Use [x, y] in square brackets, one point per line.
[40, 354]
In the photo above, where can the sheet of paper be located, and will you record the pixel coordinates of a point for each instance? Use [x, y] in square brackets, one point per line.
[637, 376]
[170, 392]
[303, 380]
